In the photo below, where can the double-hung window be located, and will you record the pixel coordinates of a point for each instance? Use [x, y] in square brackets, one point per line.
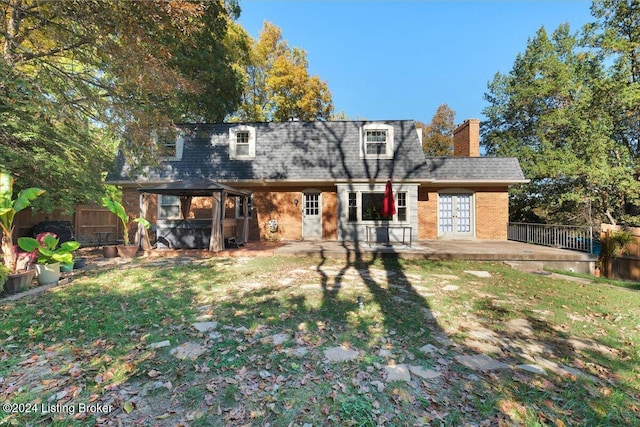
[401, 206]
[240, 206]
[169, 143]
[242, 142]
[167, 148]
[376, 141]
[353, 207]
[168, 207]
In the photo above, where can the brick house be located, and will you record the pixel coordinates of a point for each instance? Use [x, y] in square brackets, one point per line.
[326, 180]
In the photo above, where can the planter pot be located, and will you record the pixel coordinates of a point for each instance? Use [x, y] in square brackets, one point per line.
[48, 273]
[109, 251]
[66, 268]
[19, 282]
[127, 251]
[79, 263]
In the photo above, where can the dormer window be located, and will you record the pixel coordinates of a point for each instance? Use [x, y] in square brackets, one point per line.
[376, 141]
[167, 148]
[242, 143]
[169, 144]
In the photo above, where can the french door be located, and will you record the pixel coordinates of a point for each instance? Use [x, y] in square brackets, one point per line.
[455, 215]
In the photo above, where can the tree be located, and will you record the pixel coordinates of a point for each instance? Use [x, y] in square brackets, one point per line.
[78, 79]
[616, 36]
[437, 136]
[549, 111]
[278, 86]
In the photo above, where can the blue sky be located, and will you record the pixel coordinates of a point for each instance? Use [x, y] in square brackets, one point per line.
[401, 60]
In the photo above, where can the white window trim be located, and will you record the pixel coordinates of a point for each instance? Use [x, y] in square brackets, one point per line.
[389, 143]
[232, 142]
[179, 147]
[455, 192]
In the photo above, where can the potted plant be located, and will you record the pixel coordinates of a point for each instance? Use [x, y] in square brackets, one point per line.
[79, 263]
[18, 273]
[50, 255]
[126, 250]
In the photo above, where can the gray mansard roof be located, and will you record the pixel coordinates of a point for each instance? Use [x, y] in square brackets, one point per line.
[315, 152]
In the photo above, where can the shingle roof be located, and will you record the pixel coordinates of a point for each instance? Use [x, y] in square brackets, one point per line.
[475, 169]
[314, 151]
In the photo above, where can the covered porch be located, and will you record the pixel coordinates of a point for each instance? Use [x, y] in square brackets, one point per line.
[186, 233]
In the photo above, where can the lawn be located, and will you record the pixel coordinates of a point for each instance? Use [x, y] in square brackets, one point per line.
[224, 341]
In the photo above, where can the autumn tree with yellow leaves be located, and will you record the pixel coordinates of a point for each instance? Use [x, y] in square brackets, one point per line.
[277, 84]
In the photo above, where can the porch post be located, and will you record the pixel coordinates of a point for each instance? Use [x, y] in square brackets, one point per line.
[223, 214]
[142, 234]
[216, 236]
[245, 220]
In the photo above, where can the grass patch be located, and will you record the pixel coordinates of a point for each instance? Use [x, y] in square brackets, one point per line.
[90, 342]
[629, 284]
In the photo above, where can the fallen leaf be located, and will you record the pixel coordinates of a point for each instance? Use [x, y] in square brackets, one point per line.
[209, 399]
[153, 373]
[128, 407]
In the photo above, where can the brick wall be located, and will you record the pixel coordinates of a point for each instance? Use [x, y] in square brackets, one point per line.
[491, 214]
[427, 214]
[279, 204]
[276, 204]
[466, 139]
[329, 216]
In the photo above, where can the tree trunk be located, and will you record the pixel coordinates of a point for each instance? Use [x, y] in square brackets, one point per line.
[8, 253]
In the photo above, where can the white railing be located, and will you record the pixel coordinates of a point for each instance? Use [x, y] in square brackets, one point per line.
[559, 236]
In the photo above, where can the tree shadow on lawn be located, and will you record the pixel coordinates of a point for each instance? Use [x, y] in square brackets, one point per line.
[111, 353]
[85, 338]
[575, 379]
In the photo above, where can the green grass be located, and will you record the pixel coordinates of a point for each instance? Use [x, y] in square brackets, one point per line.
[89, 342]
[629, 284]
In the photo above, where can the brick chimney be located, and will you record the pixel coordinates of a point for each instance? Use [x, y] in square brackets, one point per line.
[466, 139]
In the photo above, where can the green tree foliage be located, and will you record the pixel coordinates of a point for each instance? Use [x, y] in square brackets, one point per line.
[558, 111]
[78, 78]
[616, 36]
[277, 84]
[437, 136]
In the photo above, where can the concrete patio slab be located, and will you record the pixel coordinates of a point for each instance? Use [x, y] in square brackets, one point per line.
[479, 250]
[470, 250]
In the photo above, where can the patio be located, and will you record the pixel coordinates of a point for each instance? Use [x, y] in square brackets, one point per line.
[518, 254]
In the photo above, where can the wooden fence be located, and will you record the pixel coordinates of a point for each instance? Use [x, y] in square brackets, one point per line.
[93, 225]
[626, 265]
